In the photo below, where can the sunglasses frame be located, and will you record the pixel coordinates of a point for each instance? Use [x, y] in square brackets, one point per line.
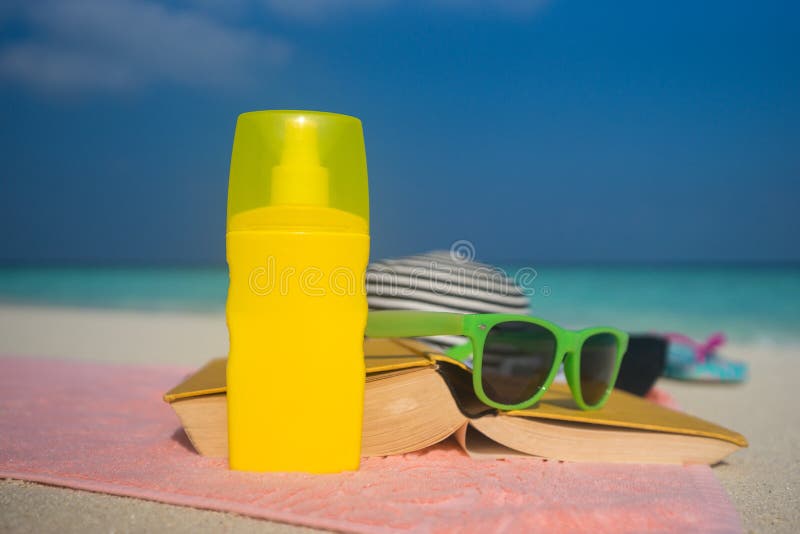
[476, 327]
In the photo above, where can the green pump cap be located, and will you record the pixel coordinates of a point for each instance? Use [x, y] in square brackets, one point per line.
[304, 162]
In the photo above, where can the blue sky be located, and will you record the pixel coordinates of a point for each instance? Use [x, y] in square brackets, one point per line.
[556, 131]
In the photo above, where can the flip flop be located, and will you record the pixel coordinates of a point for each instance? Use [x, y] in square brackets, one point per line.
[695, 361]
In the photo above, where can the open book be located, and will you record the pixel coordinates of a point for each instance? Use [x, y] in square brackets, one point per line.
[415, 397]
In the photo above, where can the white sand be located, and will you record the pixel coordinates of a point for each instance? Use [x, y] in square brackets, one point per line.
[763, 481]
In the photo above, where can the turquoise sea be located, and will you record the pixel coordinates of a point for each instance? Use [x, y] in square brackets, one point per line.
[752, 304]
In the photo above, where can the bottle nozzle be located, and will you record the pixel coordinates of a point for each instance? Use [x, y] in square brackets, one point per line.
[299, 178]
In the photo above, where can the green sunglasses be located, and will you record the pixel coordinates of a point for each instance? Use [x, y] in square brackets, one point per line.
[515, 358]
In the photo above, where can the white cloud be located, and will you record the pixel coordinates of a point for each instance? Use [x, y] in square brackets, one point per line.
[121, 44]
[46, 67]
[317, 10]
[512, 7]
[86, 45]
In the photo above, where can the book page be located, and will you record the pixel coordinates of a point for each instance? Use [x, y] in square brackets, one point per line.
[480, 447]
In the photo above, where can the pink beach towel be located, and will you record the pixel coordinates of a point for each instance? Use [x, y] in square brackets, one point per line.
[104, 428]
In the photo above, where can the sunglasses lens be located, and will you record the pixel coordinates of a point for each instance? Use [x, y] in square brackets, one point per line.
[517, 357]
[598, 359]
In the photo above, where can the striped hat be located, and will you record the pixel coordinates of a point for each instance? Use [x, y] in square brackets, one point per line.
[443, 281]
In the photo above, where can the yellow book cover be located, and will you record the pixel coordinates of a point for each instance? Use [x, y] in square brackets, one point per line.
[415, 398]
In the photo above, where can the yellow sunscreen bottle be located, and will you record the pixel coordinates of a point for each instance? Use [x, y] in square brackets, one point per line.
[297, 247]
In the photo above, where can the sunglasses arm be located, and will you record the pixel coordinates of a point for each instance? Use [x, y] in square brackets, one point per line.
[400, 323]
[460, 352]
